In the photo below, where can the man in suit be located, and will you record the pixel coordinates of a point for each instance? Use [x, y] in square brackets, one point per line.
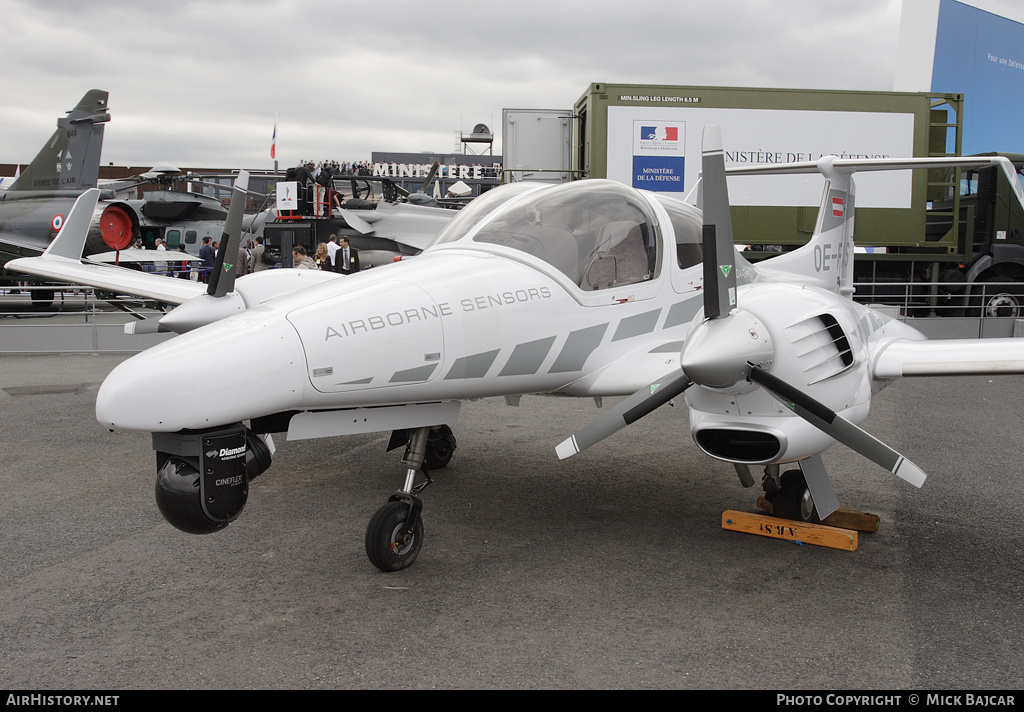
[346, 259]
[209, 256]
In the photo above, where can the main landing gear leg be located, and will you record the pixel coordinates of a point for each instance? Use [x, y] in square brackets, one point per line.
[395, 533]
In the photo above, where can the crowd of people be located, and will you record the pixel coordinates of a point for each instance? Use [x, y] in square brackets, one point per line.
[335, 255]
[311, 172]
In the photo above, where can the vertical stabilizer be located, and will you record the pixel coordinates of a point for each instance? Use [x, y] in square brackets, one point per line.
[826, 260]
[70, 160]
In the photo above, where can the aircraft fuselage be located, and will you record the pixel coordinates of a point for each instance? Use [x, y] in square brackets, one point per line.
[448, 325]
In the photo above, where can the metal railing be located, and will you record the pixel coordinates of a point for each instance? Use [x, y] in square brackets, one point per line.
[981, 308]
[70, 304]
[56, 318]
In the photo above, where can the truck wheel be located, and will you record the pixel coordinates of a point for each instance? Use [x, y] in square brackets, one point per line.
[999, 300]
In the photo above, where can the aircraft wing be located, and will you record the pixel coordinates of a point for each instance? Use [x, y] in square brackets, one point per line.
[950, 357]
[62, 261]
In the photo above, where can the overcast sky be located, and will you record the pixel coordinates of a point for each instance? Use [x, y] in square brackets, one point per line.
[199, 84]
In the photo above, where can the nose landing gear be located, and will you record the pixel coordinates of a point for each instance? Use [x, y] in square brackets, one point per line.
[394, 535]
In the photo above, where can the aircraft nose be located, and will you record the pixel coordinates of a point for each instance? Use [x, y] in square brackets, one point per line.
[229, 371]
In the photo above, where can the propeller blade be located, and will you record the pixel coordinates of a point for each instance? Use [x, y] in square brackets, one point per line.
[430, 176]
[625, 413]
[222, 280]
[835, 426]
[719, 250]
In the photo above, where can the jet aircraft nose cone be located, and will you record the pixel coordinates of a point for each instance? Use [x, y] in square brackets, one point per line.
[717, 351]
[232, 370]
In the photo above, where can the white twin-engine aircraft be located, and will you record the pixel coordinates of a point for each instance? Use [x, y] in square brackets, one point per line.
[589, 289]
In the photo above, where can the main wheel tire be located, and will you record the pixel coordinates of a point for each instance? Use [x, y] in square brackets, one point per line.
[387, 545]
[793, 500]
[440, 448]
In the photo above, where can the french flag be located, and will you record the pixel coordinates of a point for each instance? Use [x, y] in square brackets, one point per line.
[273, 142]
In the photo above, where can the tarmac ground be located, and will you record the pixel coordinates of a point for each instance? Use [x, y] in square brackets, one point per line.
[609, 570]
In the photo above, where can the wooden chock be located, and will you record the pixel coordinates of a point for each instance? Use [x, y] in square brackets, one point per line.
[796, 532]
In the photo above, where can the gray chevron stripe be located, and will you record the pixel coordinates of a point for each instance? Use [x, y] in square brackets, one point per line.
[636, 325]
[474, 366]
[413, 375]
[578, 348]
[527, 358]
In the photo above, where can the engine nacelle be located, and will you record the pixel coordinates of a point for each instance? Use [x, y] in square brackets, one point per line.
[202, 480]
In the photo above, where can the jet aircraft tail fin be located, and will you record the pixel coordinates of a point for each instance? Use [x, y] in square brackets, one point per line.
[70, 160]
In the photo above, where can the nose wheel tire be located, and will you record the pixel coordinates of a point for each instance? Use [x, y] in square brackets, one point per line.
[388, 545]
[793, 500]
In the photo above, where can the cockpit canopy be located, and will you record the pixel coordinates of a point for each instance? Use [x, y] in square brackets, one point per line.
[599, 234]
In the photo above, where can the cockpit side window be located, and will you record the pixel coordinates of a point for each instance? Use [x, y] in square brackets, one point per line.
[687, 224]
[599, 236]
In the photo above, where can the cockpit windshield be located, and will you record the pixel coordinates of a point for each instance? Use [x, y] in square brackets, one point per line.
[598, 234]
[478, 209]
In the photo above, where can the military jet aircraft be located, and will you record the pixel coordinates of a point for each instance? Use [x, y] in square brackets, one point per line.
[589, 289]
[34, 207]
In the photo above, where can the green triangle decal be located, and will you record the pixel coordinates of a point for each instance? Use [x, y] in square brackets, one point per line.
[725, 269]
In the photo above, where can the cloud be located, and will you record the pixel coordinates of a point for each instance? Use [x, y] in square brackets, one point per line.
[200, 83]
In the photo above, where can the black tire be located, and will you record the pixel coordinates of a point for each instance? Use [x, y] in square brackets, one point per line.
[386, 545]
[440, 448]
[793, 500]
[998, 300]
